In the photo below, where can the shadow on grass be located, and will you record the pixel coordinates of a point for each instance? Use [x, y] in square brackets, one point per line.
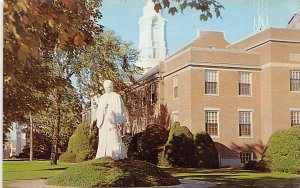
[230, 178]
[63, 168]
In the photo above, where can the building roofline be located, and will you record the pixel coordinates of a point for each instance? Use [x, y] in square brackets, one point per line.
[207, 50]
[296, 13]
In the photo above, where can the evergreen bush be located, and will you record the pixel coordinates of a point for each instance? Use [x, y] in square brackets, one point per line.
[135, 147]
[179, 150]
[206, 155]
[85, 155]
[67, 157]
[152, 140]
[106, 172]
[80, 140]
[147, 145]
[282, 152]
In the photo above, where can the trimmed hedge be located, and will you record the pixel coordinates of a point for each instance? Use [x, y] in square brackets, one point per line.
[282, 152]
[106, 172]
[206, 155]
[147, 145]
[135, 147]
[80, 140]
[85, 155]
[81, 146]
[67, 157]
[179, 150]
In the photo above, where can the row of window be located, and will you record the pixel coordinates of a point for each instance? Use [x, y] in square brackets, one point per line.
[244, 82]
[212, 123]
[245, 122]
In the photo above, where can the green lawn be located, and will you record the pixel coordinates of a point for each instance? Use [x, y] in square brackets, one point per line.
[25, 170]
[22, 170]
[238, 178]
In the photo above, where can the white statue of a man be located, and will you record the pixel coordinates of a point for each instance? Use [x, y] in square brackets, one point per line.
[111, 121]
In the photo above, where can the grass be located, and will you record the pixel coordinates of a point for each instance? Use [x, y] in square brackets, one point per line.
[106, 172]
[25, 170]
[20, 170]
[238, 178]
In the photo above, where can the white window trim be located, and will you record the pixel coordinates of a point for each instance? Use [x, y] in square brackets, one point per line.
[238, 120]
[293, 110]
[175, 112]
[251, 83]
[251, 152]
[213, 109]
[290, 80]
[218, 81]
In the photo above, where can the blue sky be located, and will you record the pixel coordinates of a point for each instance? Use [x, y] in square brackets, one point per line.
[237, 20]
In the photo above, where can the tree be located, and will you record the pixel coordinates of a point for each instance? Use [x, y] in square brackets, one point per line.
[45, 124]
[32, 30]
[109, 58]
[205, 7]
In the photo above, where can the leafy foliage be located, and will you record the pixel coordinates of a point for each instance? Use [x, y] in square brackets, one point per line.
[204, 6]
[206, 155]
[45, 122]
[67, 157]
[116, 61]
[282, 152]
[80, 146]
[135, 147]
[147, 145]
[179, 150]
[106, 172]
[32, 30]
[80, 140]
[85, 155]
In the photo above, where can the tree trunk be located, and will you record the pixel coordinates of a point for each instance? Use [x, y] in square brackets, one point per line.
[31, 138]
[55, 136]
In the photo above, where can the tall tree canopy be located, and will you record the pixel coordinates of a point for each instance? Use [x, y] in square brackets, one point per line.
[32, 30]
[110, 58]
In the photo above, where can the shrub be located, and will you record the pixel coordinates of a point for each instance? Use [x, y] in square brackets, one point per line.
[179, 150]
[151, 141]
[67, 157]
[126, 140]
[80, 140]
[282, 152]
[106, 172]
[261, 166]
[250, 165]
[147, 145]
[85, 155]
[135, 147]
[206, 155]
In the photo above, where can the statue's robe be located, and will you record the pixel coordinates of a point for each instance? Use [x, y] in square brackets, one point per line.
[110, 141]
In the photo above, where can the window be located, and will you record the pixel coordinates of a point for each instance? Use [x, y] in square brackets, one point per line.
[211, 82]
[295, 118]
[245, 124]
[152, 93]
[244, 83]
[211, 122]
[295, 81]
[246, 156]
[175, 87]
[174, 116]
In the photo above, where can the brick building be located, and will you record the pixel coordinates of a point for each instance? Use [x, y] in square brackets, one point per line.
[239, 93]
